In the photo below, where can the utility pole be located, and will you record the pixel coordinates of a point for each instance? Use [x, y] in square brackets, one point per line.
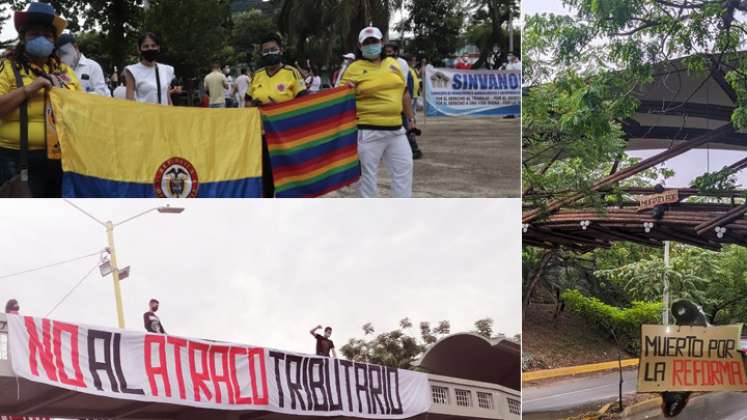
[665, 309]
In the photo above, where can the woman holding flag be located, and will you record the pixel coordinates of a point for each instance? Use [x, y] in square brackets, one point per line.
[274, 83]
[381, 97]
[27, 71]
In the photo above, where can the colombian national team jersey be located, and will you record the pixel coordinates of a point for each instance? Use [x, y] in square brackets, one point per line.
[379, 89]
[10, 125]
[282, 86]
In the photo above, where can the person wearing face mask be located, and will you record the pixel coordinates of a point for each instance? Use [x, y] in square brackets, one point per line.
[27, 71]
[381, 98]
[12, 307]
[274, 83]
[149, 81]
[89, 72]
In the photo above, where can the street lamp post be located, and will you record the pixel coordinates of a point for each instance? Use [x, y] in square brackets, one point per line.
[110, 239]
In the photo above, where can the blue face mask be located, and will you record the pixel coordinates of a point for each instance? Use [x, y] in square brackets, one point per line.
[39, 47]
[371, 51]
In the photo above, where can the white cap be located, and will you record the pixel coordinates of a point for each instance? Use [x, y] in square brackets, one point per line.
[369, 32]
[349, 56]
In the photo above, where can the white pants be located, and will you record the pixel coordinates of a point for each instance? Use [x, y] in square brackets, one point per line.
[393, 148]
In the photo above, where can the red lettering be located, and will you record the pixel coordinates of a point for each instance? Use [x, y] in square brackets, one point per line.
[178, 344]
[162, 369]
[724, 369]
[737, 370]
[225, 376]
[57, 329]
[44, 351]
[697, 372]
[238, 398]
[259, 353]
[199, 378]
[677, 372]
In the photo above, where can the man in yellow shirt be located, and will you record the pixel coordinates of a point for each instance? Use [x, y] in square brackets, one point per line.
[274, 83]
[39, 70]
[216, 84]
[381, 97]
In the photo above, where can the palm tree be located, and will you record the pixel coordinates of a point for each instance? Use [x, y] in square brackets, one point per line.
[328, 27]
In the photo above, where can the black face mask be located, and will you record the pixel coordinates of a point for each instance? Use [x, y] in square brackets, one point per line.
[149, 55]
[271, 59]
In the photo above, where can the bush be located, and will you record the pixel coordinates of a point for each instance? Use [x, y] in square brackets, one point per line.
[623, 323]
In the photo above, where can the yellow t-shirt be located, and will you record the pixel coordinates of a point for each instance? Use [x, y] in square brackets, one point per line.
[214, 83]
[379, 91]
[415, 83]
[283, 86]
[10, 125]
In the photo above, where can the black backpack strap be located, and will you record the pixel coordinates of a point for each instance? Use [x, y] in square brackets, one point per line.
[24, 120]
[158, 84]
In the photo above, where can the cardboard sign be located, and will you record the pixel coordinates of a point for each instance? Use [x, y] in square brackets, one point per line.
[684, 358]
[653, 200]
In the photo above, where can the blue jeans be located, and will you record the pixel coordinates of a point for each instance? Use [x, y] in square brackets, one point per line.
[45, 176]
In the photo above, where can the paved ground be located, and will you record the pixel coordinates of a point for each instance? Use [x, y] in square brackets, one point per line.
[464, 157]
[710, 406]
[559, 398]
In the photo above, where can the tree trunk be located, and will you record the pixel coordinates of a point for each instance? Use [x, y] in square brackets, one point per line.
[535, 278]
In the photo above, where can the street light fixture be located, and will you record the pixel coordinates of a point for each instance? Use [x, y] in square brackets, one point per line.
[112, 267]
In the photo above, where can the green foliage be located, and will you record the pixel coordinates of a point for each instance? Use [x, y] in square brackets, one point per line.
[486, 27]
[583, 69]
[721, 180]
[621, 324]
[193, 33]
[399, 347]
[248, 29]
[437, 25]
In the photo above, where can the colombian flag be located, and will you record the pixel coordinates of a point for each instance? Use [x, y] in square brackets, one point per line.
[116, 148]
[313, 143]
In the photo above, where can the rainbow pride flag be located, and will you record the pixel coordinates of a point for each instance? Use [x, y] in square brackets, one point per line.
[313, 143]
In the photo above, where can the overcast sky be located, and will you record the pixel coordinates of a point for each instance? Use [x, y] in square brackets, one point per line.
[265, 272]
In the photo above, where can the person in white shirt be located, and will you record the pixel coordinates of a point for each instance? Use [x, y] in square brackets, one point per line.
[392, 50]
[513, 63]
[241, 86]
[316, 82]
[146, 77]
[337, 75]
[88, 71]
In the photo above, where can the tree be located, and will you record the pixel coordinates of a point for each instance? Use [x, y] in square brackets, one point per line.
[322, 30]
[3, 21]
[398, 348]
[436, 25]
[486, 27]
[248, 29]
[119, 20]
[193, 33]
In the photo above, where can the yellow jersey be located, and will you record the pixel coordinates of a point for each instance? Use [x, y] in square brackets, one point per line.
[282, 86]
[10, 125]
[379, 92]
[415, 83]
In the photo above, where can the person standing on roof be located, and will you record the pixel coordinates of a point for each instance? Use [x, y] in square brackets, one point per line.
[12, 307]
[151, 320]
[324, 346]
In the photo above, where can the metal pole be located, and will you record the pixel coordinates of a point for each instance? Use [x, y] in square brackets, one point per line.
[115, 275]
[510, 30]
[665, 309]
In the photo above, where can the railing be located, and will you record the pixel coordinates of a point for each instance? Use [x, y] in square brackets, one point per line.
[465, 398]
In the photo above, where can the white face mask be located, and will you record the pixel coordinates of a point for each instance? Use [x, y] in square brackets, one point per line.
[69, 55]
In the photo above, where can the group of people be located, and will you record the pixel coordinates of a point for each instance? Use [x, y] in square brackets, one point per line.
[152, 323]
[44, 57]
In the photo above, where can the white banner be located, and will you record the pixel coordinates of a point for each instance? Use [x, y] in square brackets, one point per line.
[454, 92]
[198, 373]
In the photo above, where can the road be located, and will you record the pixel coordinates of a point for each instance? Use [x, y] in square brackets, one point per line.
[573, 394]
[463, 157]
[710, 406]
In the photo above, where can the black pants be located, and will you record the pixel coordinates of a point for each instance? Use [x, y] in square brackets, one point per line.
[268, 184]
[45, 176]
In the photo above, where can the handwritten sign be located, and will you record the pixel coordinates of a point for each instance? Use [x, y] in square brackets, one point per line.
[684, 358]
[653, 200]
